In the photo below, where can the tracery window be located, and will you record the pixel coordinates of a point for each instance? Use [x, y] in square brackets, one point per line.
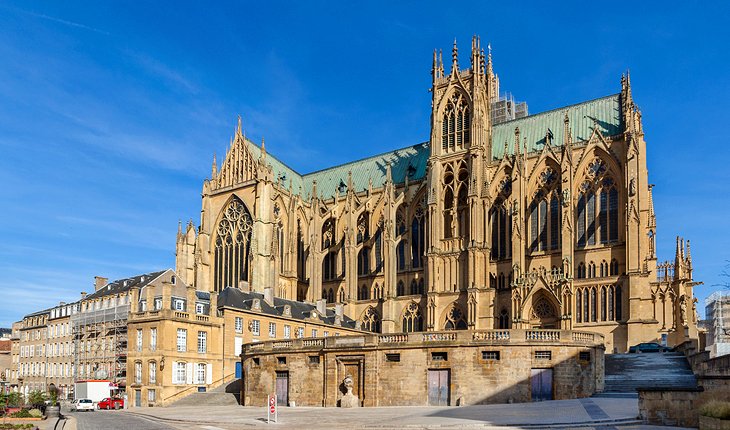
[414, 287]
[456, 127]
[370, 320]
[545, 213]
[232, 246]
[455, 319]
[418, 235]
[614, 267]
[412, 318]
[578, 306]
[362, 228]
[363, 261]
[501, 220]
[400, 289]
[580, 271]
[598, 303]
[504, 322]
[597, 209]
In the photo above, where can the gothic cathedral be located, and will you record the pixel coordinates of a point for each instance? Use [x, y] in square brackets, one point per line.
[532, 221]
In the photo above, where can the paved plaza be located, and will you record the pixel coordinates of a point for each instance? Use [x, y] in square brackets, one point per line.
[590, 413]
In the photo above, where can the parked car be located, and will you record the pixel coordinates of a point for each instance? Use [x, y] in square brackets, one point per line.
[648, 347]
[111, 403]
[83, 405]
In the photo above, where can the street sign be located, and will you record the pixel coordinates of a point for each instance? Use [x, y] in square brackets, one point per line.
[272, 410]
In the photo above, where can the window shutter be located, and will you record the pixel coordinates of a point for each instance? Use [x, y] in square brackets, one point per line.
[209, 373]
[189, 373]
[173, 369]
[238, 343]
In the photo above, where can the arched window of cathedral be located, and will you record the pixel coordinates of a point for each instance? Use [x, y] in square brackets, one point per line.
[377, 291]
[545, 213]
[456, 127]
[448, 204]
[603, 303]
[329, 266]
[614, 267]
[578, 306]
[400, 223]
[504, 322]
[331, 295]
[232, 246]
[401, 251]
[280, 244]
[501, 220]
[343, 263]
[324, 293]
[363, 293]
[370, 320]
[618, 303]
[493, 281]
[593, 304]
[418, 235]
[378, 245]
[400, 289]
[463, 212]
[611, 303]
[597, 210]
[414, 286]
[455, 319]
[363, 228]
[604, 269]
[341, 295]
[586, 306]
[363, 261]
[421, 288]
[501, 281]
[301, 256]
[328, 234]
[591, 270]
[581, 271]
[412, 318]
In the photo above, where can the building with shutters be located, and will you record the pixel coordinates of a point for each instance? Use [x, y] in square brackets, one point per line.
[541, 221]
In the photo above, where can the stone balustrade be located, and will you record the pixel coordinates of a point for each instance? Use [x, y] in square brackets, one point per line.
[456, 337]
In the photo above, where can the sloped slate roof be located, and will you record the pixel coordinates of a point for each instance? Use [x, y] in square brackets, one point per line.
[604, 113]
[235, 298]
[122, 285]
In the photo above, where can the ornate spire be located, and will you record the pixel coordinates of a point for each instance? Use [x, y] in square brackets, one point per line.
[454, 59]
[239, 130]
[214, 170]
[441, 63]
[263, 150]
[179, 229]
[434, 68]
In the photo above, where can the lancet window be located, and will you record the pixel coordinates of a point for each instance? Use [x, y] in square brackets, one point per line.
[418, 235]
[412, 318]
[456, 126]
[597, 208]
[501, 220]
[504, 322]
[598, 303]
[233, 246]
[545, 213]
[363, 261]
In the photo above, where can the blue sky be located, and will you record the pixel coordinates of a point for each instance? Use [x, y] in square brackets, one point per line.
[110, 112]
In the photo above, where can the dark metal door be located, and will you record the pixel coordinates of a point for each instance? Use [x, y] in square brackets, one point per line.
[438, 387]
[282, 388]
[138, 398]
[542, 384]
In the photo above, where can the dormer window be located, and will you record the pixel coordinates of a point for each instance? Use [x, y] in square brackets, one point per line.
[158, 303]
[178, 304]
[143, 305]
[199, 308]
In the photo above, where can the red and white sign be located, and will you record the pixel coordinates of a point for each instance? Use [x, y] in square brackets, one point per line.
[272, 411]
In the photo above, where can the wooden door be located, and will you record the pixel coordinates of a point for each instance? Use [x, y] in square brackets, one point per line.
[438, 387]
[542, 384]
[282, 388]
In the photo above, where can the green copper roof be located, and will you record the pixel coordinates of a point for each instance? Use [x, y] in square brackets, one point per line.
[604, 113]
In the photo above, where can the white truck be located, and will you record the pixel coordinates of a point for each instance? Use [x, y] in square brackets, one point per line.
[94, 389]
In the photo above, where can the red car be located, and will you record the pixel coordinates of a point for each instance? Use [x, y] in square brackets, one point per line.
[110, 403]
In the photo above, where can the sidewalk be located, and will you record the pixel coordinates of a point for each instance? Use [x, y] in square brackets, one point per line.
[580, 413]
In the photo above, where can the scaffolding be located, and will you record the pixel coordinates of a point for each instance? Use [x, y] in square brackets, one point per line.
[717, 314]
[505, 108]
[100, 343]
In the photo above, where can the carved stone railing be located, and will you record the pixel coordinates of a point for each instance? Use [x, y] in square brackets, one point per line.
[453, 337]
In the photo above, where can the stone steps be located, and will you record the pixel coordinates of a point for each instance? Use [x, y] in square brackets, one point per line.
[208, 399]
[624, 373]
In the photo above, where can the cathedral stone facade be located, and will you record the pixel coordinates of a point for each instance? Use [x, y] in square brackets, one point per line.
[544, 221]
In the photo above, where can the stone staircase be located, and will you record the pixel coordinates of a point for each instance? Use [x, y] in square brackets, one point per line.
[627, 372]
[215, 397]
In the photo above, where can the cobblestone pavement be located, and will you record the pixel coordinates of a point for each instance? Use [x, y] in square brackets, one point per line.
[585, 414]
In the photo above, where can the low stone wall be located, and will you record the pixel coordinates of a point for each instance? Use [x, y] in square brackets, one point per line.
[670, 407]
[474, 367]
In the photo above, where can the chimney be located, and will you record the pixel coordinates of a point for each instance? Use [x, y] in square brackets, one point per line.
[99, 282]
[269, 295]
[322, 307]
[339, 310]
[83, 295]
